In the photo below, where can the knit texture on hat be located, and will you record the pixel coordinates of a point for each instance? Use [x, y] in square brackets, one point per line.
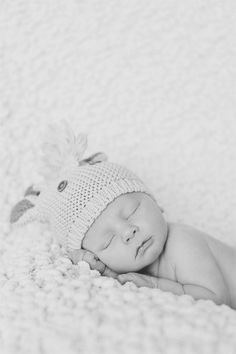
[75, 191]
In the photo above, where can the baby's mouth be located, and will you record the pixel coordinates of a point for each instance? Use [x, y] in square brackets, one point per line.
[141, 245]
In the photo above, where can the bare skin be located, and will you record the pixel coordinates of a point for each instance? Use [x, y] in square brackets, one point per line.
[179, 258]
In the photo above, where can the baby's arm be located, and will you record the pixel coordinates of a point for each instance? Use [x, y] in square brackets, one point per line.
[197, 292]
[141, 280]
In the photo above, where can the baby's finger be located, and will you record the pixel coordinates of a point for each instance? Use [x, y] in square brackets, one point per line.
[82, 255]
[123, 278]
[93, 261]
[109, 273]
[97, 265]
[89, 257]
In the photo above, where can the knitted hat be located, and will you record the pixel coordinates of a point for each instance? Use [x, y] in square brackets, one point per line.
[75, 191]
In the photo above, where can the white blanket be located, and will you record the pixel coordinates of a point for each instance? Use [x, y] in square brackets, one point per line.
[153, 85]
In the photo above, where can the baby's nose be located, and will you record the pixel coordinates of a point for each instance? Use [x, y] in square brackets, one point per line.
[130, 233]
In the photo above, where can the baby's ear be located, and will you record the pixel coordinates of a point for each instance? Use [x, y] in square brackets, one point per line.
[95, 158]
[25, 210]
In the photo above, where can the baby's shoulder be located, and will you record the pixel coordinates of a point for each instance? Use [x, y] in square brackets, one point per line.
[184, 240]
[184, 247]
[190, 253]
[177, 230]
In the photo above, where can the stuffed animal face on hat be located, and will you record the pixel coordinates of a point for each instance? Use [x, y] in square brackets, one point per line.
[62, 154]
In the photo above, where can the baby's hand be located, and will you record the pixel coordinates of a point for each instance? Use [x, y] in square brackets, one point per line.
[138, 279]
[93, 261]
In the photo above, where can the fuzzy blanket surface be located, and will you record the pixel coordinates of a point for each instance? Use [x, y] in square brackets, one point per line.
[153, 85]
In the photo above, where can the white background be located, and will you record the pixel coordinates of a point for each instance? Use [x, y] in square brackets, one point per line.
[153, 84]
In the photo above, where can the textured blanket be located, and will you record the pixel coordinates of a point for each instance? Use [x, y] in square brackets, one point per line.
[153, 85]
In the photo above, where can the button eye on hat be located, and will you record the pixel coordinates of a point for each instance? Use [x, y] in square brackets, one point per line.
[62, 185]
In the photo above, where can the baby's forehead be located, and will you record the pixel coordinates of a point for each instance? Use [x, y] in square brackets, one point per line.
[124, 198]
[131, 195]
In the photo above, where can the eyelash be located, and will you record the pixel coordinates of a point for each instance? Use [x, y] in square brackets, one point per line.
[127, 219]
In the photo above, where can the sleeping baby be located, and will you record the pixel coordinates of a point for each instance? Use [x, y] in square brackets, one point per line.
[103, 213]
[131, 241]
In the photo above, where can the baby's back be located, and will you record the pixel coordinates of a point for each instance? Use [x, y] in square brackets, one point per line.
[225, 257]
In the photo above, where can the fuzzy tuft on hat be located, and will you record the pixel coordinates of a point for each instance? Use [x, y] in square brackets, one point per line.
[75, 191]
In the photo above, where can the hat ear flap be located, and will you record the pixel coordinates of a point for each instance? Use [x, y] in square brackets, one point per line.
[31, 191]
[95, 158]
[19, 213]
[26, 209]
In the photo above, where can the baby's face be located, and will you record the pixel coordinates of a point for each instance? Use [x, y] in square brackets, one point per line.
[121, 228]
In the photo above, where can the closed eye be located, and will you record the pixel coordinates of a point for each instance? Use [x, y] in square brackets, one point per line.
[134, 210]
[108, 243]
